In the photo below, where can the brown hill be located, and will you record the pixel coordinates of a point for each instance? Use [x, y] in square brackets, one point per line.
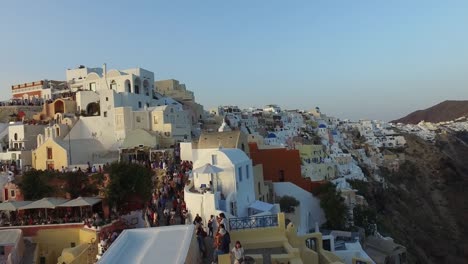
[445, 111]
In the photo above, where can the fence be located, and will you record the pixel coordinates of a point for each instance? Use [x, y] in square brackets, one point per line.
[240, 223]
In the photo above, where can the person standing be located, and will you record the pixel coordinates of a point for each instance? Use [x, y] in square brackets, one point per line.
[238, 253]
[210, 225]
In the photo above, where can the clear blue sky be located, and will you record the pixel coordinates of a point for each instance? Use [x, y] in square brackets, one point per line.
[353, 59]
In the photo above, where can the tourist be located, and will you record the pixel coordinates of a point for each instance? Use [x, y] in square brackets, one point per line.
[226, 239]
[210, 225]
[201, 234]
[238, 253]
[218, 245]
[222, 220]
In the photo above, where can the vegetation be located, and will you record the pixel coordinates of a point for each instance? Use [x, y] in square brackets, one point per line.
[127, 182]
[288, 204]
[77, 184]
[333, 205]
[366, 218]
[35, 185]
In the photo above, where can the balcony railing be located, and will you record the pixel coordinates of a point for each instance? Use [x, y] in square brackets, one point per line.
[240, 223]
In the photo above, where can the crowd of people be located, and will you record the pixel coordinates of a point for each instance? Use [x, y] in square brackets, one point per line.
[38, 217]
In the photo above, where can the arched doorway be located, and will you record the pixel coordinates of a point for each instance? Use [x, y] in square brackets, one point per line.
[93, 109]
[146, 87]
[136, 85]
[59, 106]
[128, 86]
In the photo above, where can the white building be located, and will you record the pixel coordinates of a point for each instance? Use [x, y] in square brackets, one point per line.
[168, 244]
[113, 103]
[309, 212]
[231, 190]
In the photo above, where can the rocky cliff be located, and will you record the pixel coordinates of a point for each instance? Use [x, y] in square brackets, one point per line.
[445, 111]
[425, 204]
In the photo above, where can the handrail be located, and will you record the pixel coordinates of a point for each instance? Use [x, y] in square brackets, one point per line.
[240, 223]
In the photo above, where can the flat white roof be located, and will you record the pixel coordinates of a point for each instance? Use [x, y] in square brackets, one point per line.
[168, 244]
[10, 236]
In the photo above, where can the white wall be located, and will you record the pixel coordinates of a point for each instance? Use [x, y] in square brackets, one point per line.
[310, 211]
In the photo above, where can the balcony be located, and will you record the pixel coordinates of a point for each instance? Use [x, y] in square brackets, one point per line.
[240, 223]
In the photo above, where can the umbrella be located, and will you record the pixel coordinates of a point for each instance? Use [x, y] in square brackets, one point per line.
[13, 205]
[80, 202]
[44, 203]
[207, 169]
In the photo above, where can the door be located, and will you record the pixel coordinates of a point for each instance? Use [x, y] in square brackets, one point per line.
[6, 193]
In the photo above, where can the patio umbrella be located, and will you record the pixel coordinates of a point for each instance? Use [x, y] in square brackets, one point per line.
[207, 169]
[13, 205]
[44, 203]
[80, 202]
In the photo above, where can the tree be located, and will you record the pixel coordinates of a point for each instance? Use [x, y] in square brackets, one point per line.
[365, 218]
[126, 181]
[288, 204]
[78, 184]
[333, 205]
[34, 185]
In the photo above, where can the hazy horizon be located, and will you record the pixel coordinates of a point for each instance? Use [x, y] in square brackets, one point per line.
[365, 59]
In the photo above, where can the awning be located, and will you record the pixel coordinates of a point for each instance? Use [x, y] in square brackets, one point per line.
[47, 203]
[261, 206]
[80, 201]
[13, 205]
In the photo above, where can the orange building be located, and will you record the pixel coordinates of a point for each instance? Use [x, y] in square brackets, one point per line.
[281, 165]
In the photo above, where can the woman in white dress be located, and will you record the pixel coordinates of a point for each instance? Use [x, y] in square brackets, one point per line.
[238, 253]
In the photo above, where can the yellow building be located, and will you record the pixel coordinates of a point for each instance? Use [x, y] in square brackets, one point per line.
[311, 153]
[69, 245]
[229, 139]
[262, 192]
[56, 152]
[49, 155]
[294, 249]
[62, 105]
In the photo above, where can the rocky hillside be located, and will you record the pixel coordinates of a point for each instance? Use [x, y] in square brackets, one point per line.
[7, 111]
[445, 111]
[425, 205]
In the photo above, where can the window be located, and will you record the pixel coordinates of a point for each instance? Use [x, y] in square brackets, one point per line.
[12, 193]
[49, 153]
[16, 136]
[327, 244]
[311, 243]
[234, 208]
[214, 159]
[155, 119]
[105, 113]
[113, 85]
[247, 171]
[107, 99]
[92, 86]
[139, 104]
[138, 119]
[240, 173]
[259, 189]
[2, 250]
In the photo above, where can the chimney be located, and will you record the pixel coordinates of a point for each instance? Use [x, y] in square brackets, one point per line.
[104, 71]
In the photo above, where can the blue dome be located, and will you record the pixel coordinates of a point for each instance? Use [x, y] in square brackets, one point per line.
[271, 135]
[322, 126]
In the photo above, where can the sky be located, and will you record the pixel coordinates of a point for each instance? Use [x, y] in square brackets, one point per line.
[353, 59]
